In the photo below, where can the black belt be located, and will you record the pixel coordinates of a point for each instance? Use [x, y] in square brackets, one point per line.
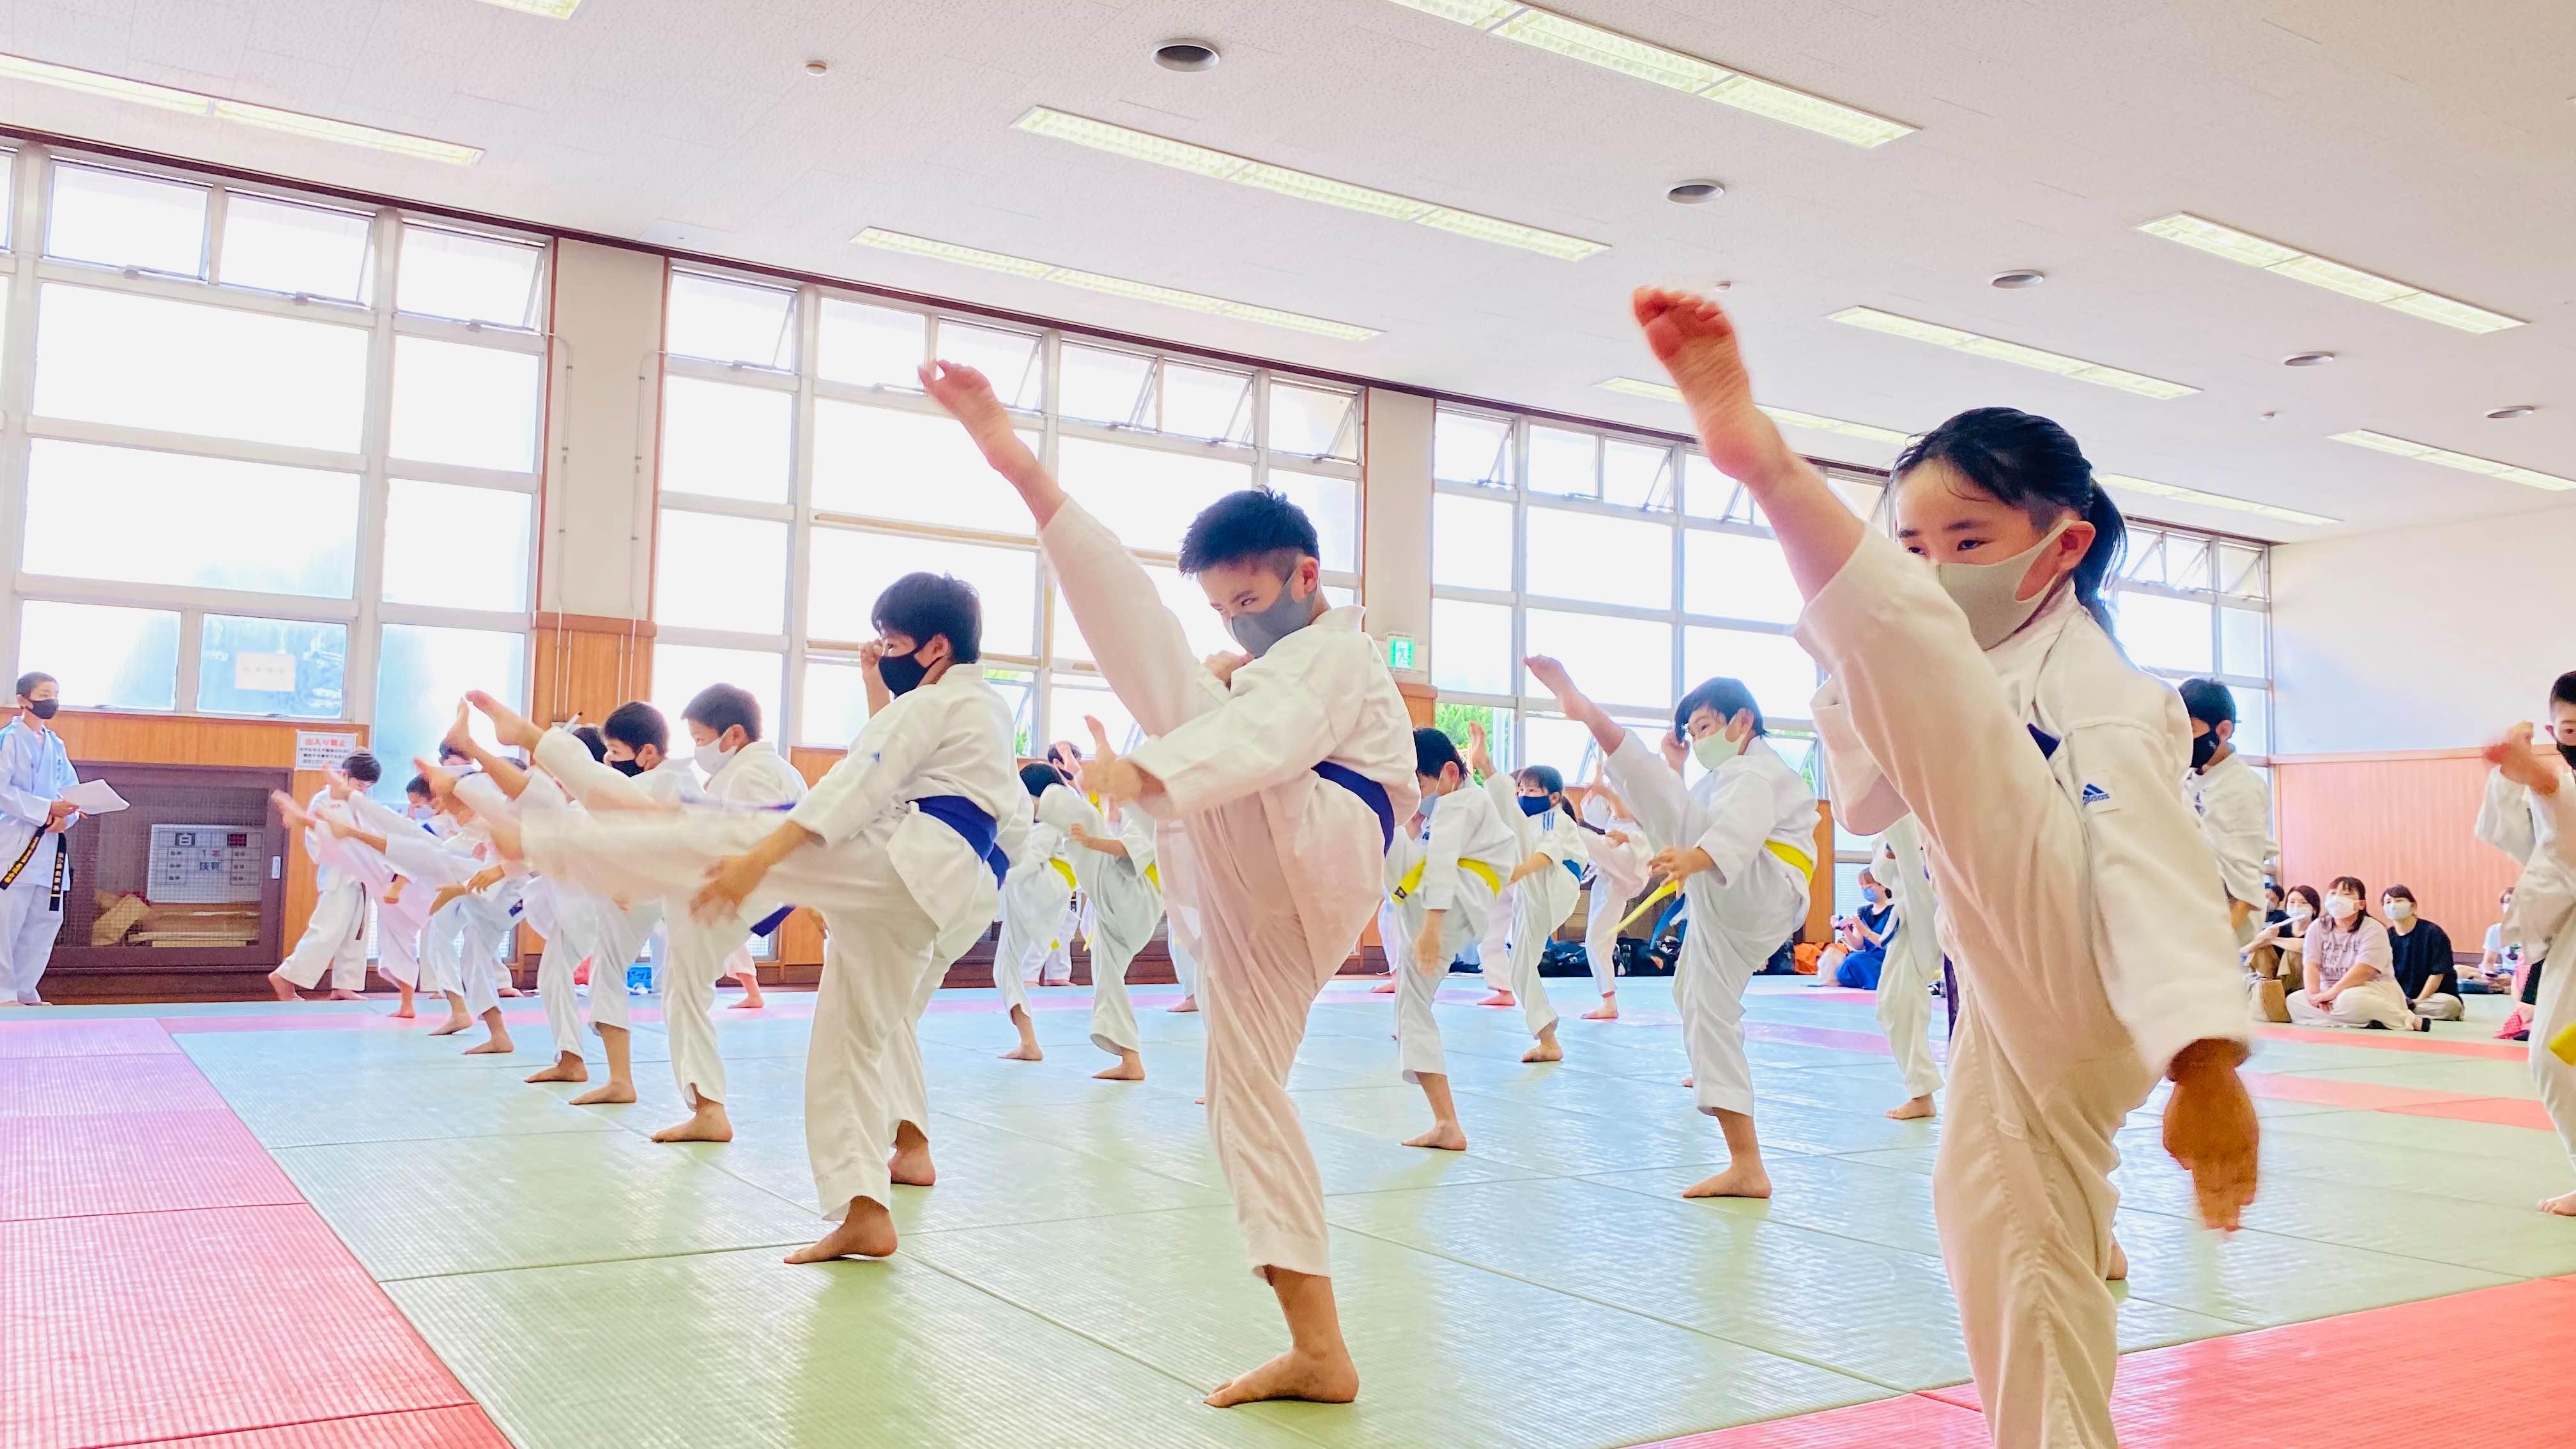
[62, 868]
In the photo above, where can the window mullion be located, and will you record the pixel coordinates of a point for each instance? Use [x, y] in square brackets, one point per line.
[358, 665]
[18, 376]
[800, 538]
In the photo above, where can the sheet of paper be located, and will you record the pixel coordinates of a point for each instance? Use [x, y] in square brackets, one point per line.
[95, 797]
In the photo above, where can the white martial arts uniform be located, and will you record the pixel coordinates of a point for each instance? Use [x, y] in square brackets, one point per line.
[35, 864]
[1455, 866]
[399, 925]
[895, 882]
[579, 925]
[755, 777]
[1756, 818]
[1123, 897]
[1540, 902]
[2549, 873]
[2235, 810]
[1912, 962]
[1281, 865]
[2077, 909]
[1618, 874]
[1037, 901]
[344, 882]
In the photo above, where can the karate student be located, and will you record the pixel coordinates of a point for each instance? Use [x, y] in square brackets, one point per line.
[1976, 685]
[2541, 782]
[1113, 862]
[1037, 896]
[1740, 841]
[1544, 886]
[1913, 964]
[472, 908]
[404, 912]
[1288, 774]
[2233, 803]
[1619, 854]
[335, 936]
[2519, 820]
[34, 818]
[1442, 887]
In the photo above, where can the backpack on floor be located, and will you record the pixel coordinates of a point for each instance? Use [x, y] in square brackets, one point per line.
[1565, 958]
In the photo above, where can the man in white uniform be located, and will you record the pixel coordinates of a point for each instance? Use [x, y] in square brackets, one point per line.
[2233, 803]
[346, 880]
[35, 851]
[1443, 886]
[1289, 772]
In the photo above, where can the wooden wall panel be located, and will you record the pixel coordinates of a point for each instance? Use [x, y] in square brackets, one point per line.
[2395, 818]
[1419, 700]
[588, 666]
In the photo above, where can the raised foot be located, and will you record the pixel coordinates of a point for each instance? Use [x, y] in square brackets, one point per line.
[1445, 1136]
[2119, 1272]
[1129, 1069]
[912, 1167]
[860, 1235]
[1191, 1003]
[2564, 1206]
[1024, 1054]
[1546, 1051]
[1499, 998]
[607, 1094]
[496, 1045]
[707, 1124]
[1315, 1378]
[1734, 1182]
[1909, 1111]
[278, 983]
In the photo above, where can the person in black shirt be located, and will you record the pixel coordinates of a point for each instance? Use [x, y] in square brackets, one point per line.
[2420, 958]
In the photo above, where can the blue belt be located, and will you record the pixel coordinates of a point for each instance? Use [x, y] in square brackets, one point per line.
[972, 825]
[1371, 793]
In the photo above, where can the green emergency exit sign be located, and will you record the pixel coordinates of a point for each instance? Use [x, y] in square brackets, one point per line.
[1403, 652]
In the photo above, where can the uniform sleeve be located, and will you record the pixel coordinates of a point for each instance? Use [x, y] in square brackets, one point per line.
[1864, 801]
[867, 781]
[2238, 827]
[1735, 824]
[1566, 842]
[1283, 716]
[1136, 831]
[2504, 818]
[1505, 794]
[20, 805]
[587, 780]
[1653, 792]
[2559, 804]
[1064, 809]
[1139, 646]
[1438, 888]
[485, 798]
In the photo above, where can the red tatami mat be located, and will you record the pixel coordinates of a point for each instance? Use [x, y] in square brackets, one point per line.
[135, 1162]
[2334, 1092]
[99, 1037]
[424, 1429]
[33, 1086]
[1908, 1421]
[2398, 1041]
[2504, 1112]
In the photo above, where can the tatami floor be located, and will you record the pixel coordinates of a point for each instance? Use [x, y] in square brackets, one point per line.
[262, 1226]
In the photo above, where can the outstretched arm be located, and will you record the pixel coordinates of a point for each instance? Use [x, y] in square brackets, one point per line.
[968, 397]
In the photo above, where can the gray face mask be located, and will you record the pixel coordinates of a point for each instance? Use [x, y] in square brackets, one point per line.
[1984, 592]
[1257, 632]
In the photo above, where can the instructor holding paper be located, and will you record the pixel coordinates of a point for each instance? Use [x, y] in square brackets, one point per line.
[35, 868]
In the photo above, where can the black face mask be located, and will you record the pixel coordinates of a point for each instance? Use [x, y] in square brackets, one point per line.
[628, 767]
[902, 673]
[2565, 752]
[2202, 748]
[44, 708]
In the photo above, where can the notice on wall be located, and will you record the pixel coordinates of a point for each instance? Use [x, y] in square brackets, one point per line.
[324, 749]
[264, 673]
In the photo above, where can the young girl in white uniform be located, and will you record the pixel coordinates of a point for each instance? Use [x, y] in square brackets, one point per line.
[1037, 895]
[1113, 862]
[1619, 856]
[1913, 964]
[1975, 685]
[1442, 886]
[1546, 883]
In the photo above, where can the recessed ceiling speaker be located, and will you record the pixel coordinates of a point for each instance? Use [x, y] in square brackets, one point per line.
[1693, 193]
[2019, 279]
[1186, 55]
[2307, 359]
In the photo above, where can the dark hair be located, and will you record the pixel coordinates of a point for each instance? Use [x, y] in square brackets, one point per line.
[1434, 752]
[2562, 692]
[2360, 893]
[2398, 893]
[1068, 746]
[419, 786]
[1256, 524]
[2309, 894]
[1036, 777]
[636, 724]
[1727, 696]
[2208, 701]
[2032, 464]
[362, 767]
[1547, 777]
[33, 677]
[445, 750]
[722, 706]
[923, 606]
[591, 740]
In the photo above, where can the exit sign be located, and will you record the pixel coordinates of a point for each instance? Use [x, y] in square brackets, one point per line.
[1403, 652]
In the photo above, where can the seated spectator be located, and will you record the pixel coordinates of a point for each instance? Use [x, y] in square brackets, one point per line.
[2276, 903]
[2345, 964]
[1859, 951]
[2495, 969]
[2284, 937]
[2420, 958]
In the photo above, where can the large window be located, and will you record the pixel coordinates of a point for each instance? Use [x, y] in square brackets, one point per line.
[265, 456]
[803, 471]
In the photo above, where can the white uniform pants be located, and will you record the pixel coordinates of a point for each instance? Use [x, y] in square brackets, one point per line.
[1419, 1052]
[1913, 964]
[2550, 1015]
[398, 932]
[1493, 945]
[1029, 937]
[591, 927]
[1113, 1016]
[460, 950]
[334, 940]
[1733, 932]
[1185, 970]
[1601, 935]
[29, 922]
[1531, 931]
[701, 955]
[2377, 1000]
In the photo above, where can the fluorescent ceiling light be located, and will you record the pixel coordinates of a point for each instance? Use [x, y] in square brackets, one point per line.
[1574, 39]
[2484, 467]
[190, 103]
[895, 241]
[551, 9]
[1304, 185]
[2012, 352]
[2209, 500]
[2250, 250]
[1789, 417]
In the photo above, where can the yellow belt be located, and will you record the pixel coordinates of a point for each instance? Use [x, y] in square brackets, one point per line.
[1153, 875]
[1064, 868]
[1476, 868]
[1796, 859]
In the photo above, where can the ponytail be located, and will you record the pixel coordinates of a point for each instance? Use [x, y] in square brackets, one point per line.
[2102, 560]
[2030, 463]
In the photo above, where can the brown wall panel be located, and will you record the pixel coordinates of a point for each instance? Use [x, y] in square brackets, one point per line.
[2397, 818]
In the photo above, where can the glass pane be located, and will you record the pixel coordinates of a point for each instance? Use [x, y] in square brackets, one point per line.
[1859, 495]
[2187, 562]
[1314, 422]
[2163, 633]
[277, 246]
[730, 321]
[1634, 475]
[727, 442]
[851, 568]
[1547, 739]
[714, 571]
[2241, 642]
[421, 672]
[1471, 543]
[1101, 386]
[1705, 491]
[2253, 721]
[681, 670]
[1626, 660]
[1471, 647]
[1736, 576]
[470, 278]
[1334, 505]
[126, 220]
[835, 702]
[1603, 560]
[1013, 360]
[912, 466]
[871, 346]
[2240, 571]
[114, 357]
[1200, 623]
[1076, 695]
[1146, 496]
[166, 518]
[2144, 562]
[1781, 676]
[282, 668]
[472, 406]
[1201, 402]
[493, 574]
[103, 658]
[1469, 449]
[1563, 463]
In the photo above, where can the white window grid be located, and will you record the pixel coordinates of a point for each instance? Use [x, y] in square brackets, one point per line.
[365, 612]
[1042, 671]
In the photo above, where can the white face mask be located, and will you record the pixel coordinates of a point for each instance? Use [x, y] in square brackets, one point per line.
[1714, 749]
[2401, 911]
[712, 755]
[1984, 592]
[2302, 912]
[2342, 908]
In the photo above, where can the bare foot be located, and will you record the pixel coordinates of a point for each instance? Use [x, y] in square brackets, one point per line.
[1191, 1003]
[1316, 1379]
[1446, 1136]
[495, 1045]
[1499, 998]
[278, 983]
[403, 1012]
[707, 1124]
[509, 991]
[1024, 1053]
[1128, 1068]
[1736, 1181]
[1911, 1110]
[2564, 1206]
[339, 995]
[607, 1094]
[1383, 988]
[911, 1164]
[752, 1000]
[1546, 1051]
[1608, 1010]
[2119, 1264]
[1690, 1081]
[452, 1026]
[566, 1068]
[868, 1232]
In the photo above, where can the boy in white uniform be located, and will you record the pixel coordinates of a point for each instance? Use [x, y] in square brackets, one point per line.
[1113, 863]
[345, 882]
[1742, 840]
[1289, 773]
[2537, 792]
[1544, 886]
[1037, 896]
[35, 851]
[1442, 887]
[2233, 803]
[1913, 964]
[404, 912]
[1619, 855]
[473, 909]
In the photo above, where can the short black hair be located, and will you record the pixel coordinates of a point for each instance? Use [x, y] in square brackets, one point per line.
[2213, 703]
[2398, 893]
[419, 786]
[1546, 777]
[924, 606]
[2564, 691]
[636, 724]
[1434, 752]
[591, 740]
[362, 767]
[1727, 696]
[1037, 777]
[1256, 524]
[33, 677]
[448, 751]
[722, 706]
